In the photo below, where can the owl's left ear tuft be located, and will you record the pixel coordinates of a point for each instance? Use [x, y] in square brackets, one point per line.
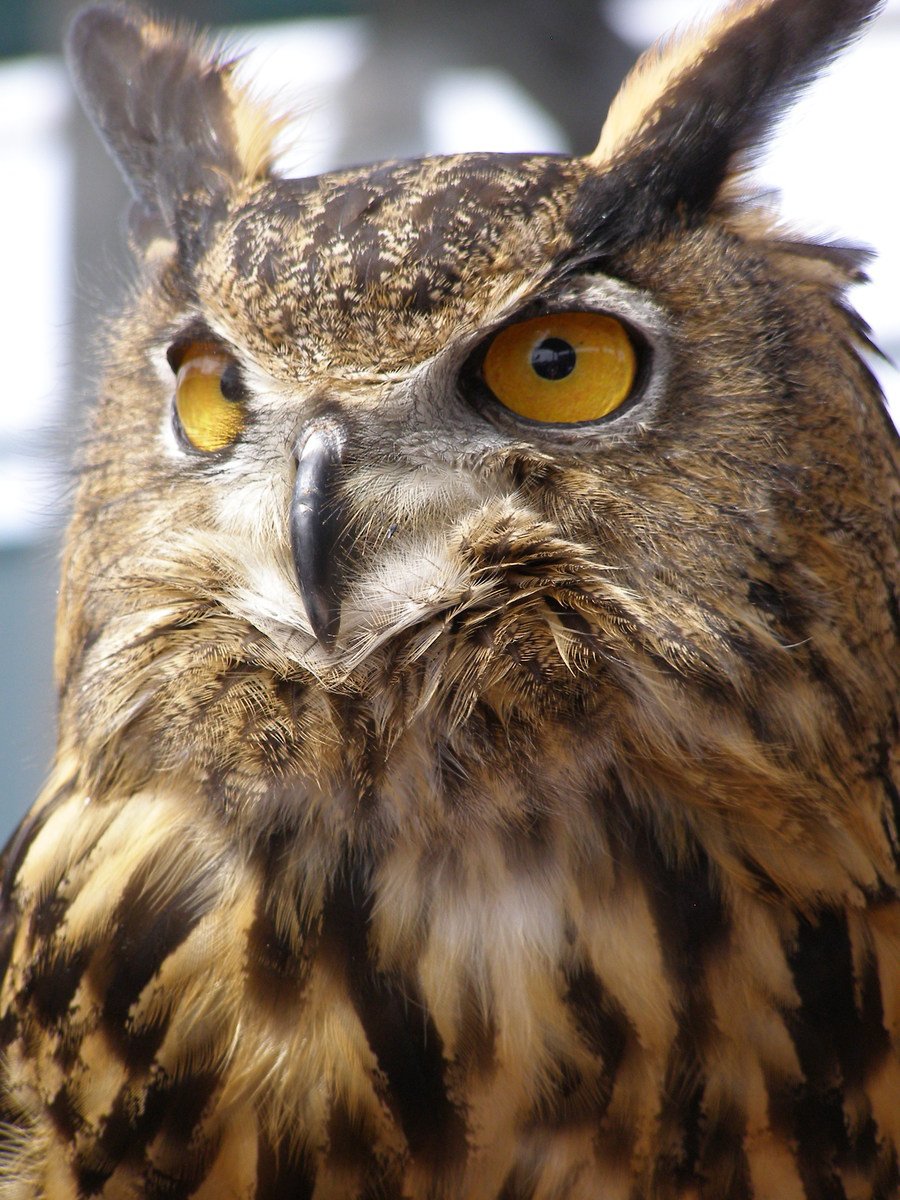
[693, 110]
[182, 132]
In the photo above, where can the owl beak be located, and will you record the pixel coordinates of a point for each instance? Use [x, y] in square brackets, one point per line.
[316, 523]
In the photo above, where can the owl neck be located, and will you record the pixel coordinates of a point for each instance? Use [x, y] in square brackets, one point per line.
[568, 776]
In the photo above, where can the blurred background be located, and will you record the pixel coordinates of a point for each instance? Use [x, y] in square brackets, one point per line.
[367, 81]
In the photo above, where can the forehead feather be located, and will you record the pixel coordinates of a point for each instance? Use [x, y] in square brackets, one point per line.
[377, 265]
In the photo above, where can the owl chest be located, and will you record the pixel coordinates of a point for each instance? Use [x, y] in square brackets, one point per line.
[444, 1027]
[427, 1024]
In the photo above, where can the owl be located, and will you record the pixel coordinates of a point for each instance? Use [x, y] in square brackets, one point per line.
[477, 659]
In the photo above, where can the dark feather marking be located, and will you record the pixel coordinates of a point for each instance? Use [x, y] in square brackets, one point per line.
[615, 1141]
[781, 606]
[283, 1172]
[351, 1145]
[765, 884]
[171, 1108]
[874, 1160]
[10, 1029]
[137, 1047]
[684, 895]
[143, 937]
[398, 1028]
[51, 982]
[890, 821]
[693, 923]
[91, 1180]
[163, 1185]
[844, 700]
[838, 1045]
[63, 1113]
[452, 773]
[48, 914]
[812, 1115]
[277, 972]
[13, 855]
[602, 1024]
[721, 1161]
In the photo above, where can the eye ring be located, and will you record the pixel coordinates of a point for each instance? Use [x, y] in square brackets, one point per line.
[208, 405]
[560, 370]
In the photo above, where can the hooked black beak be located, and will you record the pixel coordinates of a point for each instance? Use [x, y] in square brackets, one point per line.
[316, 525]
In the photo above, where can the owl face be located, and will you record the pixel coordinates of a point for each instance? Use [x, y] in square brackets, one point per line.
[399, 314]
[404, 298]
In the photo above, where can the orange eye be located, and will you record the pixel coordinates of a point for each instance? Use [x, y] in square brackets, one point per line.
[207, 398]
[562, 368]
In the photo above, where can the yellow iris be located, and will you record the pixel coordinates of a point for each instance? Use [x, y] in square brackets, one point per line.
[210, 420]
[562, 368]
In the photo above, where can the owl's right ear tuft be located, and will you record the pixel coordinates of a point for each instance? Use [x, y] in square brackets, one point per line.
[694, 112]
[182, 132]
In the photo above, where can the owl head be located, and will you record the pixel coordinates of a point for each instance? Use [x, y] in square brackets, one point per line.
[494, 465]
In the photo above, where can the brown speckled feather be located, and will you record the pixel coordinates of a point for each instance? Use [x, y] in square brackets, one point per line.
[554, 855]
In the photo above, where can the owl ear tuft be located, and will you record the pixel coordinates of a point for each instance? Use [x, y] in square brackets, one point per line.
[693, 109]
[182, 132]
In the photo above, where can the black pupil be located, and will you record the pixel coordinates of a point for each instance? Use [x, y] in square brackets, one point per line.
[553, 358]
[230, 383]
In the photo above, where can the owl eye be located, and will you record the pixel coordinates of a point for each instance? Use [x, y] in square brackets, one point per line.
[208, 397]
[562, 368]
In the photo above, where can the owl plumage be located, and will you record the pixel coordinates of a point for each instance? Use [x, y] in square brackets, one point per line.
[451, 803]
